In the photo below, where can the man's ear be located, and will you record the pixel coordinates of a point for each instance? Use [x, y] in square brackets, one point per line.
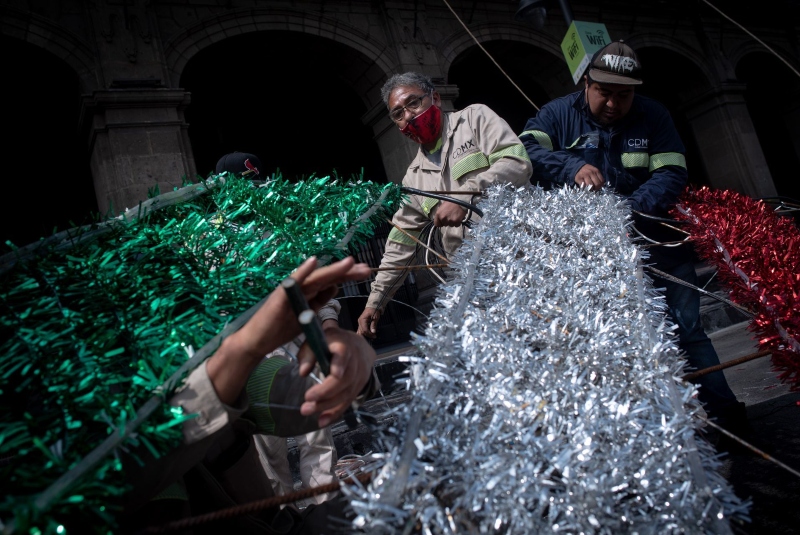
[586, 81]
[436, 99]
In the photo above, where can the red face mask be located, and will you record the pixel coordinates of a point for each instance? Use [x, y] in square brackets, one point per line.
[425, 127]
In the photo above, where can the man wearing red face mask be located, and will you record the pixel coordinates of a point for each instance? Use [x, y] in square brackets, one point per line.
[467, 150]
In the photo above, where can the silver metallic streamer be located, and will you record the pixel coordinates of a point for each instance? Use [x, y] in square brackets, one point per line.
[549, 398]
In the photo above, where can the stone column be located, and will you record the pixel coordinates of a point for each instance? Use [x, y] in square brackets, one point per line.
[449, 94]
[728, 143]
[138, 139]
[397, 150]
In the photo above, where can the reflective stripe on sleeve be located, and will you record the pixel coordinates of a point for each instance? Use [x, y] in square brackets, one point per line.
[427, 204]
[635, 159]
[476, 160]
[541, 138]
[258, 386]
[398, 237]
[176, 491]
[667, 158]
[517, 151]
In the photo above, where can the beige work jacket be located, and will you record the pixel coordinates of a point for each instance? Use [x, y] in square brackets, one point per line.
[478, 149]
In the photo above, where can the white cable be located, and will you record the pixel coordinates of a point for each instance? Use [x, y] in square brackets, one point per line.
[490, 56]
[427, 259]
[745, 30]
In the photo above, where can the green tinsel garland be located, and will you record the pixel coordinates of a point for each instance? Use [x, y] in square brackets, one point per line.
[89, 331]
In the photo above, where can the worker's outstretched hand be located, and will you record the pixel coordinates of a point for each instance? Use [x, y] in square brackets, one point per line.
[368, 322]
[449, 214]
[274, 324]
[590, 176]
[351, 367]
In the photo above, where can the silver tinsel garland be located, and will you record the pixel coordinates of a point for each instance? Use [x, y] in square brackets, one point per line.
[548, 396]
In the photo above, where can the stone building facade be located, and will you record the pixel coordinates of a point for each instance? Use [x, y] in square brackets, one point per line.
[129, 57]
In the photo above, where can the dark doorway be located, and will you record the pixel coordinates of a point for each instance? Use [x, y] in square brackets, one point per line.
[674, 92]
[287, 97]
[538, 73]
[47, 184]
[771, 95]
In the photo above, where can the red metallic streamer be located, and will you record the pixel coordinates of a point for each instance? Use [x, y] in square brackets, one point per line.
[757, 254]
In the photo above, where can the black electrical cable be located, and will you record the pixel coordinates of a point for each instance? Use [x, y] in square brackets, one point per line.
[466, 205]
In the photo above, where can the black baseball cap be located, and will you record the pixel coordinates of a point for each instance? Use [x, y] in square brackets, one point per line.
[616, 63]
[246, 164]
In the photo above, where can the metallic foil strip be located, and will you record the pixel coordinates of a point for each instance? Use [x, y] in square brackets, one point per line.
[549, 398]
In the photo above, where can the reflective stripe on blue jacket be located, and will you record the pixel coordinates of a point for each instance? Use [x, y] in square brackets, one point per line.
[640, 156]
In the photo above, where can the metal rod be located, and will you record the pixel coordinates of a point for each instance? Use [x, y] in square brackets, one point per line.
[295, 295]
[730, 363]
[408, 268]
[312, 328]
[417, 241]
[259, 505]
[673, 227]
[309, 322]
[764, 455]
[667, 276]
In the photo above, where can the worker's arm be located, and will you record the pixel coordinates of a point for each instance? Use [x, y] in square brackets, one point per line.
[399, 251]
[285, 401]
[500, 158]
[508, 160]
[274, 324]
[212, 394]
[552, 163]
[667, 167]
[351, 376]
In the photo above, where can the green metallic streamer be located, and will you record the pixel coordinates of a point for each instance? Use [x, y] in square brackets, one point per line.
[94, 324]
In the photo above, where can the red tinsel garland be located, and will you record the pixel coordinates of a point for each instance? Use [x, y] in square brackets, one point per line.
[757, 254]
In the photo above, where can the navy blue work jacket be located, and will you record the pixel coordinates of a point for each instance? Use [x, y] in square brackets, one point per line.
[640, 156]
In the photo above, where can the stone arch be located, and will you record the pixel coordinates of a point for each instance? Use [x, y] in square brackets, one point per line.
[743, 49]
[310, 90]
[655, 40]
[532, 60]
[460, 41]
[55, 39]
[42, 120]
[708, 112]
[179, 50]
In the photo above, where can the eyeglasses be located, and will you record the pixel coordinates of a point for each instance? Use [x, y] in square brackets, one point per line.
[412, 105]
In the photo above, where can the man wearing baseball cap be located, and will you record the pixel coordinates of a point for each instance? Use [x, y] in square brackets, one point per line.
[248, 165]
[608, 136]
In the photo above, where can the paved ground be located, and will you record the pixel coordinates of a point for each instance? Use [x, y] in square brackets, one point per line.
[774, 414]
